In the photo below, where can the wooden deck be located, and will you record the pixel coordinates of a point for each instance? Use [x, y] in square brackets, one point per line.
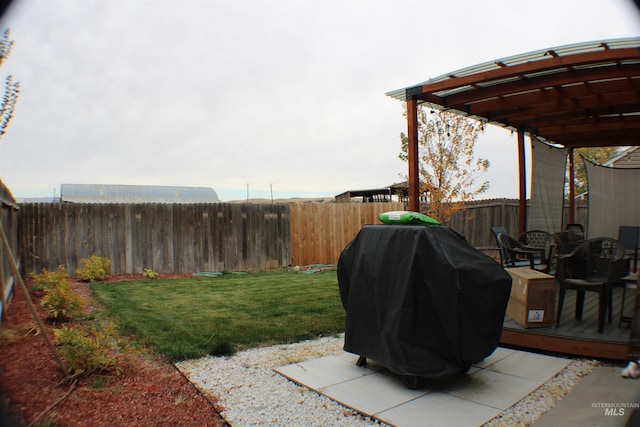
[578, 337]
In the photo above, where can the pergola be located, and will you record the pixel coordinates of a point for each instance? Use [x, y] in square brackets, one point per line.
[579, 95]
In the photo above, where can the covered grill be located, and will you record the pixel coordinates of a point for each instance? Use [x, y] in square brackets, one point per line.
[421, 300]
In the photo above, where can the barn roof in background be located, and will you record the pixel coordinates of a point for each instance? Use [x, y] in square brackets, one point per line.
[103, 193]
[578, 95]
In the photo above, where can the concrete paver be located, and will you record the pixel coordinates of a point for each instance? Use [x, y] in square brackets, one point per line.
[489, 387]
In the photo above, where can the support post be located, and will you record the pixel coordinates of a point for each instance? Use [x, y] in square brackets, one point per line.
[412, 135]
[522, 181]
[572, 188]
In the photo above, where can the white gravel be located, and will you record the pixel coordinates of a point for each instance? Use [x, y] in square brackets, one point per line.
[251, 393]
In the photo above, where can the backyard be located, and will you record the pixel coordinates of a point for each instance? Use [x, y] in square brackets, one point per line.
[219, 314]
[163, 320]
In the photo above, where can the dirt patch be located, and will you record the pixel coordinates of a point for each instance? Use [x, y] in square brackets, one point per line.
[149, 391]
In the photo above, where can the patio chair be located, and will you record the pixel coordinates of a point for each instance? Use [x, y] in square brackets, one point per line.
[628, 236]
[566, 241]
[539, 239]
[504, 258]
[496, 231]
[592, 266]
[576, 228]
[517, 254]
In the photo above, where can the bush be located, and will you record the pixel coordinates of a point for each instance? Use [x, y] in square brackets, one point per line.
[59, 301]
[49, 279]
[150, 274]
[90, 350]
[94, 268]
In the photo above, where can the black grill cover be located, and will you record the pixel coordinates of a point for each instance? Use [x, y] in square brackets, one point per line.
[421, 300]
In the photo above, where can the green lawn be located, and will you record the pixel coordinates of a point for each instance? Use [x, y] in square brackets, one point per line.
[189, 318]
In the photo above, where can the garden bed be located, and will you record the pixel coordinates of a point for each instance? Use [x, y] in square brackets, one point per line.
[148, 392]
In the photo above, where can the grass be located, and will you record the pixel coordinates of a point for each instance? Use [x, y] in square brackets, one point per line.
[190, 318]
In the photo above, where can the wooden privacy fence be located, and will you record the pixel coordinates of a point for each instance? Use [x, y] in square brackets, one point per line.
[476, 220]
[190, 238]
[169, 238]
[166, 238]
[9, 222]
[319, 232]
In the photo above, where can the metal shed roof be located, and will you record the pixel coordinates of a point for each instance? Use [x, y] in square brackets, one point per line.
[102, 193]
[578, 95]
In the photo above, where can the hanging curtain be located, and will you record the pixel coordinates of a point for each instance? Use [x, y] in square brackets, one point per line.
[548, 166]
[614, 199]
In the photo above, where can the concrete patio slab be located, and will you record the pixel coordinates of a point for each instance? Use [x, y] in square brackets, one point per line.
[325, 371]
[372, 394]
[490, 387]
[602, 399]
[538, 367]
[438, 410]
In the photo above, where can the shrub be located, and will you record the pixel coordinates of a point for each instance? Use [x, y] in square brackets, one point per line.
[49, 279]
[149, 273]
[94, 268]
[60, 301]
[90, 350]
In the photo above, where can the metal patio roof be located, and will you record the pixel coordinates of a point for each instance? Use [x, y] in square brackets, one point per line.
[578, 95]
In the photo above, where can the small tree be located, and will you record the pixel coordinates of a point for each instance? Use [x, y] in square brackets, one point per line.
[11, 88]
[597, 155]
[447, 162]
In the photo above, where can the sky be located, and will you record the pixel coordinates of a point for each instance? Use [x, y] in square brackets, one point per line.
[255, 98]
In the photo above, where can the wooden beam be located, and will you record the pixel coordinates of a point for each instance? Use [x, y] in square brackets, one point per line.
[529, 109]
[551, 63]
[592, 81]
[412, 135]
[536, 110]
[608, 139]
[566, 345]
[572, 188]
[606, 124]
[522, 181]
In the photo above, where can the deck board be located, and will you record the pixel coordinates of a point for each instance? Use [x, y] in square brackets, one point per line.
[577, 337]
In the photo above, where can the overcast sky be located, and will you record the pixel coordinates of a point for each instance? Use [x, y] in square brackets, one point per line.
[282, 95]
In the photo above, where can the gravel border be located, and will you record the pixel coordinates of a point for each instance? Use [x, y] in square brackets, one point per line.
[251, 393]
